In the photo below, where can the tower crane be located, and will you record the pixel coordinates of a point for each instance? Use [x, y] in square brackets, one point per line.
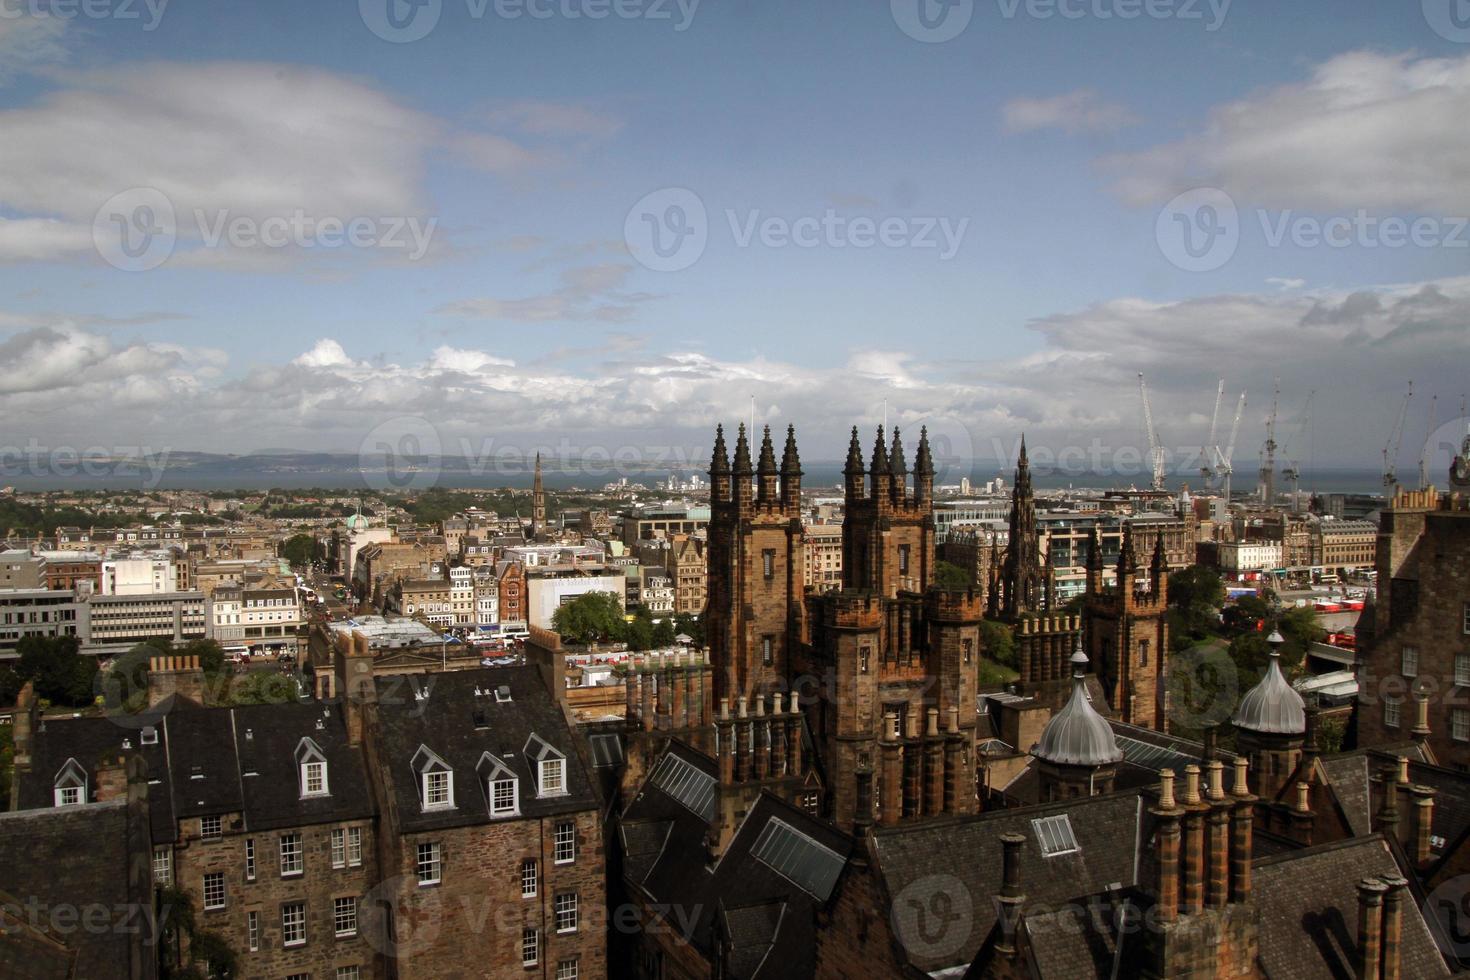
[1391, 448]
[1293, 471]
[1267, 472]
[1424, 456]
[1223, 464]
[1155, 451]
[1211, 448]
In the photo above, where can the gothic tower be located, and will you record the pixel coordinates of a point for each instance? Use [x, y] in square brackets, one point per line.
[1023, 583]
[1127, 629]
[538, 505]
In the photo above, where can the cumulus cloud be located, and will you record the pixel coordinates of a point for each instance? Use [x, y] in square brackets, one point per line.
[1365, 130]
[1080, 111]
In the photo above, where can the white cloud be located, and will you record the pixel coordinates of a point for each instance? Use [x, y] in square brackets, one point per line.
[1366, 130]
[1081, 111]
[27, 42]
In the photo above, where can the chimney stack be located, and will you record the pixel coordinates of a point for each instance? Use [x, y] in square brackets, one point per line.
[1193, 858]
[1167, 844]
[1010, 898]
[892, 773]
[1393, 925]
[1370, 928]
[1242, 821]
[1421, 819]
[1218, 838]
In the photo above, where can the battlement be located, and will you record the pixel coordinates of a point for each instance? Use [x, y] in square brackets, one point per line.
[956, 605]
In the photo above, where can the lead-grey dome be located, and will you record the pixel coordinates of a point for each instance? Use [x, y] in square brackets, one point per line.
[1271, 706]
[1077, 735]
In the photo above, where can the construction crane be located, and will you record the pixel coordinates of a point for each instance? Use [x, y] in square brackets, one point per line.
[1211, 448]
[1223, 461]
[1155, 451]
[1293, 471]
[1391, 448]
[1424, 456]
[1267, 472]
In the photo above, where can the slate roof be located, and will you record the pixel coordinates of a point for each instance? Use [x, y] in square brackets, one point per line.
[460, 726]
[1309, 911]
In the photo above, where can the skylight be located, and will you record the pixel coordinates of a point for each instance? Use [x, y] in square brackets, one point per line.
[1055, 836]
[798, 858]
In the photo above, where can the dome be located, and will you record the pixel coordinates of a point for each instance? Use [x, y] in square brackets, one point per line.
[1272, 706]
[1077, 735]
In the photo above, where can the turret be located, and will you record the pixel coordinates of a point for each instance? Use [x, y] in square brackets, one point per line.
[719, 468]
[882, 472]
[923, 472]
[1078, 752]
[853, 472]
[900, 468]
[766, 471]
[1271, 725]
[744, 489]
[791, 475]
[1159, 569]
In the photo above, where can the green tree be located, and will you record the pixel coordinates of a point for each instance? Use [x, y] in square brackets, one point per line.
[1300, 628]
[61, 674]
[1246, 613]
[998, 643]
[639, 634]
[948, 575]
[10, 683]
[663, 633]
[1196, 587]
[301, 550]
[691, 626]
[209, 954]
[589, 618]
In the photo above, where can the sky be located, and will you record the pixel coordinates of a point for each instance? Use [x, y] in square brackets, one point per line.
[473, 226]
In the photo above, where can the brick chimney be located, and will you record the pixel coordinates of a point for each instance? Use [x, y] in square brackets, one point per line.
[933, 765]
[1388, 810]
[725, 735]
[1193, 858]
[1242, 821]
[1011, 899]
[1370, 928]
[1217, 891]
[1421, 819]
[1393, 925]
[170, 674]
[892, 772]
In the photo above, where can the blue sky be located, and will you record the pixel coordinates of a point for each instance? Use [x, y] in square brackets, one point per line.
[1048, 145]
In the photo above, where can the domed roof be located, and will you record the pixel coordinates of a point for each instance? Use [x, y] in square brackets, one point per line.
[1272, 706]
[1077, 735]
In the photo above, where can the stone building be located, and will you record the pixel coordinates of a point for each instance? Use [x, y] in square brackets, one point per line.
[1127, 633]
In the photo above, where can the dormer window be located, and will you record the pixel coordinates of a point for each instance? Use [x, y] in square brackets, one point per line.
[502, 786]
[551, 775]
[553, 778]
[71, 784]
[436, 780]
[311, 769]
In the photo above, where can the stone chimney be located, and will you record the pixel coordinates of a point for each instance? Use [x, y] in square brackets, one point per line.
[1370, 928]
[1011, 898]
[111, 779]
[1166, 858]
[1421, 819]
[1217, 890]
[1242, 822]
[1421, 731]
[172, 674]
[1393, 925]
[352, 662]
[892, 772]
[1193, 857]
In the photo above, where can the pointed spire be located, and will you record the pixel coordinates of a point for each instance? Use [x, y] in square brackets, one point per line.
[790, 461]
[1094, 551]
[1127, 562]
[536, 484]
[854, 456]
[742, 452]
[1160, 557]
[720, 463]
[1021, 460]
[896, 462]
[767, 464]
[923, 461]
[880, 454]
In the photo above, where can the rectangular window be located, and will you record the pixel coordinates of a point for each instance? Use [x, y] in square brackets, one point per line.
[1462, 669]
[903, 559]
[436, 789]
[967, 645]
[529, 878]
[1410, 662]
[768, 563]
[339, 847]
[353, 972]
[214, 890]
[429, 861]
[252, 930]
[1460, 725]
[565, 841]
[1391, 712]
[1465, 616]
[566, 912]
[530, 947]
[249, 859]
[293, 923]
[865, 655]
[291, 859]
[68, 796]
[354, 846]
[566, 970]
[209, 828]
[503, 796]
[1143, 653]
[551, 777]
[315, 781]
[344, 916]
[163, 865]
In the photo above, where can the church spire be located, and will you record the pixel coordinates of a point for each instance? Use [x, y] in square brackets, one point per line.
[766, 469]
[742, 453]
[791, 475]
[538, 503]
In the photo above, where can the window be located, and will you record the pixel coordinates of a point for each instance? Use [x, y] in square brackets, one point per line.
[566, 970]
[529, 878]
[429, 861]
[349, 972]
[767, 656]
[1392, 708]
[552, 780]
[214, 890]
[252, 930]
[210, 827]
[503, 797]
[1462, 669]
[903, 559]
[314, 779]
[437, 790]
[1409, 665]
[68, 795]
[530, 947]
[1460, 725]
[291, 860]
[163, 865]
[1055, 836]
[566, 912]
[249, 859]
[565, 841]
[339, 847]
[293, 923]
[967, 645]
[344, 916]
[1143, 653]
[354, 846]
[865, 655]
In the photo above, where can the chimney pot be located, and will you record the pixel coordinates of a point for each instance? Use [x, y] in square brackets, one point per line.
[1217, 779]
[725, 709]
[1166, 789]
[1302, 790]
[1403, 769]
[780, 703]
[1191, 784]
[933, 721]
[953, 720]
[1011, 845]
[1241, 787]
[741, 708]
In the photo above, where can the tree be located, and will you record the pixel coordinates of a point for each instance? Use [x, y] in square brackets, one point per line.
[1247, 613]
[301, 550]
[1300, 629]
[691, 626]
[663, 633]
[10, 683]
[997, 642]
[61, 674]
[1196, 587]
[948, 575]
[639, 634]
[589, 618]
